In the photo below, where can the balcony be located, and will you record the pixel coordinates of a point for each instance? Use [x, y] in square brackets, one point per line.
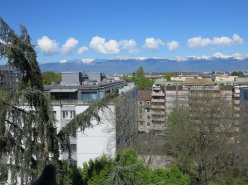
[157, 127]
[157, 93]
[156, 88]
[158, 113]
[158, 100]
[236, 95]
[236, 102]
[156, 118]
[158, 107]
[68, 102]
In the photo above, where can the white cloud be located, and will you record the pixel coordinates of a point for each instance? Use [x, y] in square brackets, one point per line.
[237, 39]
[152, 43]
[129, 45]
[105, 47]
[81, 50]
[196, 42]
[47, 45]
[69, 45]
[173, 45]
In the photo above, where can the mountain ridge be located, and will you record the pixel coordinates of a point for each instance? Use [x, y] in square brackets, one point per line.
[120, 66]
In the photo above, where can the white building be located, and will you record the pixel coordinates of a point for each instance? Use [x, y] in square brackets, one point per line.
[94, 142]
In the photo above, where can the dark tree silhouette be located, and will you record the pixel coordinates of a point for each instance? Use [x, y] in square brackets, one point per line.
[48, 176]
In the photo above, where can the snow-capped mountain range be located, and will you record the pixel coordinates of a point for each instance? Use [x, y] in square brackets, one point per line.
[217, 62]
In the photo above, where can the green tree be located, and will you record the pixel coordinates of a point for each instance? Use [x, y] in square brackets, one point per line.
[141, 81]
[49, 76]
[126, 169]
[238, 73]
[168, 76]
[28, 135]
[202, 137]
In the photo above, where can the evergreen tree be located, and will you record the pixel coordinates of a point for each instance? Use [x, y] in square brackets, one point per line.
[141, 81]
[28, 136]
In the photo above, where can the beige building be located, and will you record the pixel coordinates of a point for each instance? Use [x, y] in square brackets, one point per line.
[144, 111]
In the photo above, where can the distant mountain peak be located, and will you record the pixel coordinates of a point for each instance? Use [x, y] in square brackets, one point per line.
[87, 60]
[217, 62]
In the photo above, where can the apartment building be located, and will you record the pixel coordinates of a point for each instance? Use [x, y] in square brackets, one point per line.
[158, 105]
[144, 110]
[166, 95]
[72, 97]
[8, 78]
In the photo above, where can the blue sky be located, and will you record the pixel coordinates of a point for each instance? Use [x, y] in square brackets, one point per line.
[64, 30]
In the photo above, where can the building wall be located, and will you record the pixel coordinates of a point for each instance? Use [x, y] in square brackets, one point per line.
[70, 78]
[8, 79]
[94, 142]
[144, 115]
[95, 76]
[244, 95]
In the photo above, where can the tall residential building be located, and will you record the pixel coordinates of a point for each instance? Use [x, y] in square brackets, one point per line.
[8, 78]
[144, 110]
[72, 97]
[158, 105]
[166, 95]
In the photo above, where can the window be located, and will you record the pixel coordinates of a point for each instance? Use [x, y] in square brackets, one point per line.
[148, 102]
[89, 96]
[148, 124]
[140, 110]
[72, 146]
[147, 110]
[148, 117]
[68, 114]
[140, 102]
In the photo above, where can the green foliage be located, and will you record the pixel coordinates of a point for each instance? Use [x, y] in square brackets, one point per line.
[141, 81]
[126, 157]
[237, 73]
[95, 172]
[28, 135]
[126, 169]
[168, 76]
[75, 177]
[200, 148]
[170, 176]
[231, 181]
[49, 76]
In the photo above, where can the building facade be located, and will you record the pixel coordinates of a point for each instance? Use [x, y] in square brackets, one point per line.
[8, 78]
[166, 95]
[72, 97]
[144, 110]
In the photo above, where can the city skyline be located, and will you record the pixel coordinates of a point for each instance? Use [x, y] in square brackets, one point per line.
[129, 29]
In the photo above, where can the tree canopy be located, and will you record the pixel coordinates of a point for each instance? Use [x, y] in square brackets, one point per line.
[28, 135]
[49, 76]
[140, 80]
[204, 140]
[126, 169]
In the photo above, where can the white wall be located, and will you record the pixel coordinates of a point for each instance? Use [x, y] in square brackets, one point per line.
[101, 139]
